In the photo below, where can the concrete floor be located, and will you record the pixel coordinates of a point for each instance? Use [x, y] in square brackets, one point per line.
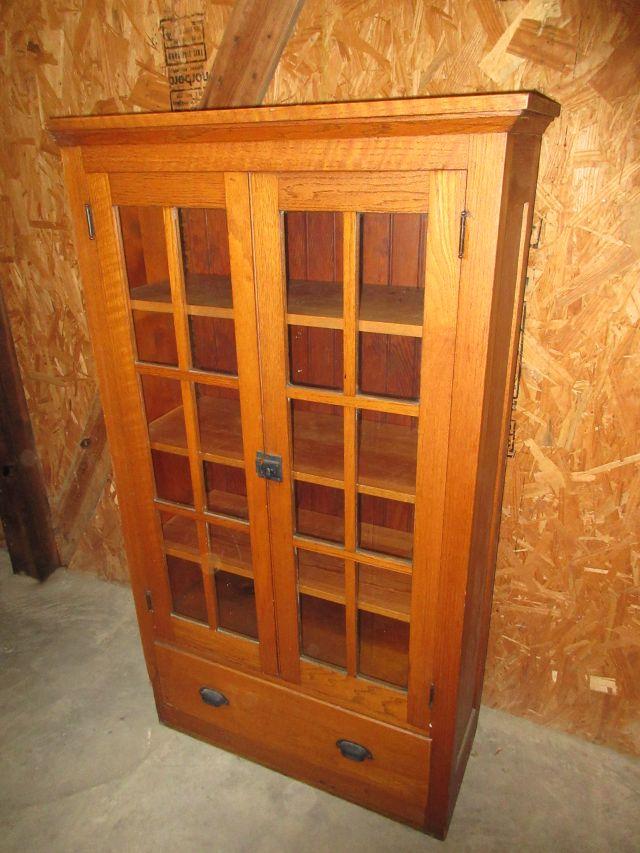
[87, 767]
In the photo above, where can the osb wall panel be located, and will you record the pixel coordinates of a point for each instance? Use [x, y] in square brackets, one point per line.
[86, 56]
[564, 647]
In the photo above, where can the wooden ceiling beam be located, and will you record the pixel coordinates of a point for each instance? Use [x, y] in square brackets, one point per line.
[253, 41]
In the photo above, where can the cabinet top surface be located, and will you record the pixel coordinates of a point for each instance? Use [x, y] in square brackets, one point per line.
[410, 116]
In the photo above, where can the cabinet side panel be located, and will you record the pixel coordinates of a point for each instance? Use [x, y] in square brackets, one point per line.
[119, 393]
[486, 192]
[513, 248]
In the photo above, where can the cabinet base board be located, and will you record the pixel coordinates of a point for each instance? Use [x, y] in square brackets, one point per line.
[296, 735]
[192, 726]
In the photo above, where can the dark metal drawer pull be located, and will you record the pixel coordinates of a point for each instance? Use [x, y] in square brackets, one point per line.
[353, 751]
[213, 697]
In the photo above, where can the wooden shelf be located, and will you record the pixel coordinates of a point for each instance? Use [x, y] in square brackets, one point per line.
[227, 504]
[384, 310]
[220, 431]
[314, 303]
[168, 432]
[152, 297]
[385, 541]
[320, 525]
[207, 296]
[383, 592]
[391, 310]
[230, 551]
[181, 536]
[321, 576]
[387, 457]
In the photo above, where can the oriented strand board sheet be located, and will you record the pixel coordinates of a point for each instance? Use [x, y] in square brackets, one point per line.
[565, 643]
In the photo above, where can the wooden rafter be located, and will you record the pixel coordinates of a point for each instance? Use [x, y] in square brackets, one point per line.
[253, 41]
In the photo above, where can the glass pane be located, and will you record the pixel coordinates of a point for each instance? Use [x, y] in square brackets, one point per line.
[387, 452]
[384, 605]
[392, 269]
[322, 630]
[383, 592]
[320, 576]
[313, 243]
[315, 357]
[219, 421]
[230, 549]
[318, 439]
[179, 531]
[391, 303]
[383, 648]
[319, 511]
[165, 416]
[236, 604]
[390, 365]
[213, 345]
[385, 526]
[147, 270]
[155, 337]
[187, 588]
[205, 256]
[145, 253]
[226, 490]
[172, 476]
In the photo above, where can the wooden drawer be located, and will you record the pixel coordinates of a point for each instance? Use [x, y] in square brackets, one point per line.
[297, 735]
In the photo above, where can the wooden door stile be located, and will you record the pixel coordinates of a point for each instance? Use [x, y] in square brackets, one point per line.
[272, 334]
[238, 203]
[442, 274]
[106, 296]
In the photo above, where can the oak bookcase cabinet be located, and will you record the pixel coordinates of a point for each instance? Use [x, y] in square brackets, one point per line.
[305, 326]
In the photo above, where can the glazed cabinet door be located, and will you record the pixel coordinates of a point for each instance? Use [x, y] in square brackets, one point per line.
[357, 282]
[175, 257]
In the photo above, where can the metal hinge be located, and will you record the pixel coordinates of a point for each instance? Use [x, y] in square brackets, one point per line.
[463, 232]
[269, 467]
[432, 694]
[90, 226]
[148, 600]
[511, 447]
[535, 243]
